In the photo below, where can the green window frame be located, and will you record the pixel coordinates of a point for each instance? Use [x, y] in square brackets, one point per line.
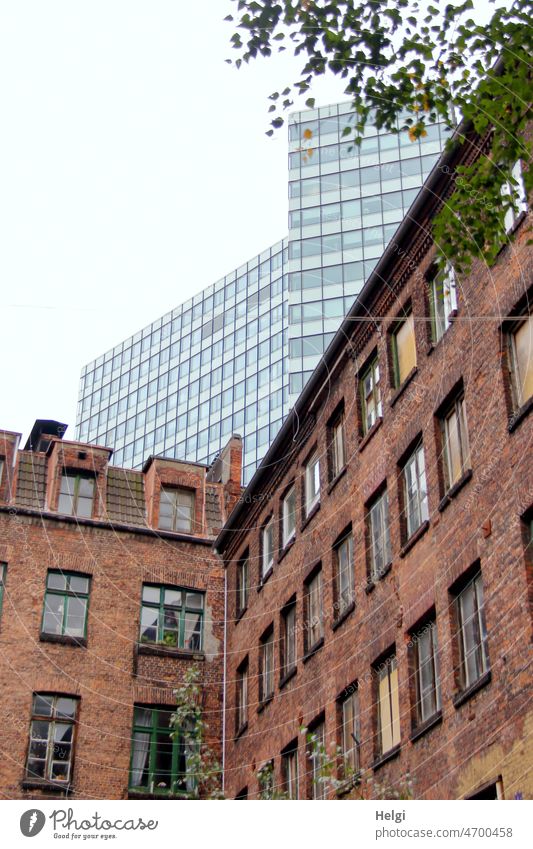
[158, 762]
[3, 570]
[66, 603]
[76, 495]
[172, 616]
[52, 738]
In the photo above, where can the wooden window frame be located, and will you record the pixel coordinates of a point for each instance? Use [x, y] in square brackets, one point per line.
[177, 776]
[183, 610]
[53, 719]
[66, 594]
[172, 493]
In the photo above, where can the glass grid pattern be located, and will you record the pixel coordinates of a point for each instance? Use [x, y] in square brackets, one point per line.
[234, 358]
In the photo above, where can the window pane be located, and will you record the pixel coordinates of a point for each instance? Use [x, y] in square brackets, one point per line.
[75, 623]
[53, 614]
[523, 346]
[66, 708]
[151, 594]
[56, 581]
[149, 622]
[42, 705]
[405, 349]
[78, 584]
[193, 631]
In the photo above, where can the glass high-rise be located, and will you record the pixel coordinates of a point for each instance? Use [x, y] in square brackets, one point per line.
[235, 356]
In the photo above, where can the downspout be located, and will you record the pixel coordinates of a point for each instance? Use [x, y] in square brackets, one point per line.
[224, 680]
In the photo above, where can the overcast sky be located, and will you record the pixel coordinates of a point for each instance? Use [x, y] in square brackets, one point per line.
[134, 171]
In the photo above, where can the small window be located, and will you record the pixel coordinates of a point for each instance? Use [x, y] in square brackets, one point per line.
[344, 574]
[388, 706]
[289, 770]
[456, 452]
[3, 570]
[379, 548]
[350, 732]
[518, 193]
[288, 639]
[65, 604]
[266, 665]
[404, 349]
[158, 761]
[172, 617]
[242, 586]
[442, 301]
[337, 448]
[314, 624]
[267, 559]
[289, 515]
[53, 720]
[415, 491]
[521, 361]
[424, 642]
[241, 701]
[2, 462]
[176, 510]
[471, 633]
[490, 792]
[76, 495]
[370, 389]
[315, 758]
[312, 483]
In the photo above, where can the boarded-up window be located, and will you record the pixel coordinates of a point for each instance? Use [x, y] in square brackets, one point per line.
[388, 705]
[404, 349]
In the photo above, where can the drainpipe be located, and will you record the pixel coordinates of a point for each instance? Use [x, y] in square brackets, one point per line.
[224, 681]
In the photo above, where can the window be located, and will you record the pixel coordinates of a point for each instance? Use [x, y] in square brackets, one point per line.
[158, 761]
[242, 586]
[172, 617]
[518, 194]
[350, 732]
[288, 639]
[316, 757]
[176, 510]
[76, 495]
[344, 573]
[289, 770]
[379, 548]
[314, 626]
[289, 515]
[241, 713]
[266, 665]
[267, 559]
[53, 719]
[415, 491]
[492, 791]
[521, 361]
[337, 451]
[404, 349]
[471, 633]
[2, 461]
[65, 604]
[370, 396]
[442, 301]
[455, 442]
[388, 706]
[426, 672]
[312, 483]
[3, 570]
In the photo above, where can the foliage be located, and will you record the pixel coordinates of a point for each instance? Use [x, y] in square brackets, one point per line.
[203, 768]
[267, 787]
[358, 784]
[407, 64]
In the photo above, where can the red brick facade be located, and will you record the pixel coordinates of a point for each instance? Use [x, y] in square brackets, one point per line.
[479, 735]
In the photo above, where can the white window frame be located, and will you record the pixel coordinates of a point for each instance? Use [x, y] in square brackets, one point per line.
[416, 505]
[443, 294]
[312, 483]
[518, 193]
[455, 414]
[288, 516]
[338, 451]
[426, 635]
[351, 732]
[371, 413]
[378, 514]
[344, 573]
[477, 621]
[267, 554]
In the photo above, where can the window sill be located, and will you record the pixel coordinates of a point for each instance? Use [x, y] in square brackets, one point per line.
[262, 705]
[264, 579]
[454, 490]
[63, 639]
[401, 389]
[145, 794]
[388, 756]
[520, 415]
[169, 651]
[286, 548]
[43, 784]
[333, 483]
[413, 539]
[464, 695]
[312, 513]
[287, 677]
[370, 433]
[242, 730]
[343, 616]
[426, 726]
[313, 650]
[372, 582]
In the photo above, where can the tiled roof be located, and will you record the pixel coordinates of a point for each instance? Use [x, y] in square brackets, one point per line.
[213, 510]
[31, 480]
[125, 496]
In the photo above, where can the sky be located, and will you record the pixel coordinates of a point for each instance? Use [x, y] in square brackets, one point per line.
[134, 172]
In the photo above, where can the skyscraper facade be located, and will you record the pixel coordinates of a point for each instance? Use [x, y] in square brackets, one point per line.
[235, 357]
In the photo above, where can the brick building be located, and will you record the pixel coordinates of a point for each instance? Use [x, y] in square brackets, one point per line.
[379, 562]
[109, 591]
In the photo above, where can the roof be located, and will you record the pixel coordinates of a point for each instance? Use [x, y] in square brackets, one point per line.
[31, 480]
[125, 496]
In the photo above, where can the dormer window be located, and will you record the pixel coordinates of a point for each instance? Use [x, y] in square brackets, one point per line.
[76, 495]
[176, 510]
